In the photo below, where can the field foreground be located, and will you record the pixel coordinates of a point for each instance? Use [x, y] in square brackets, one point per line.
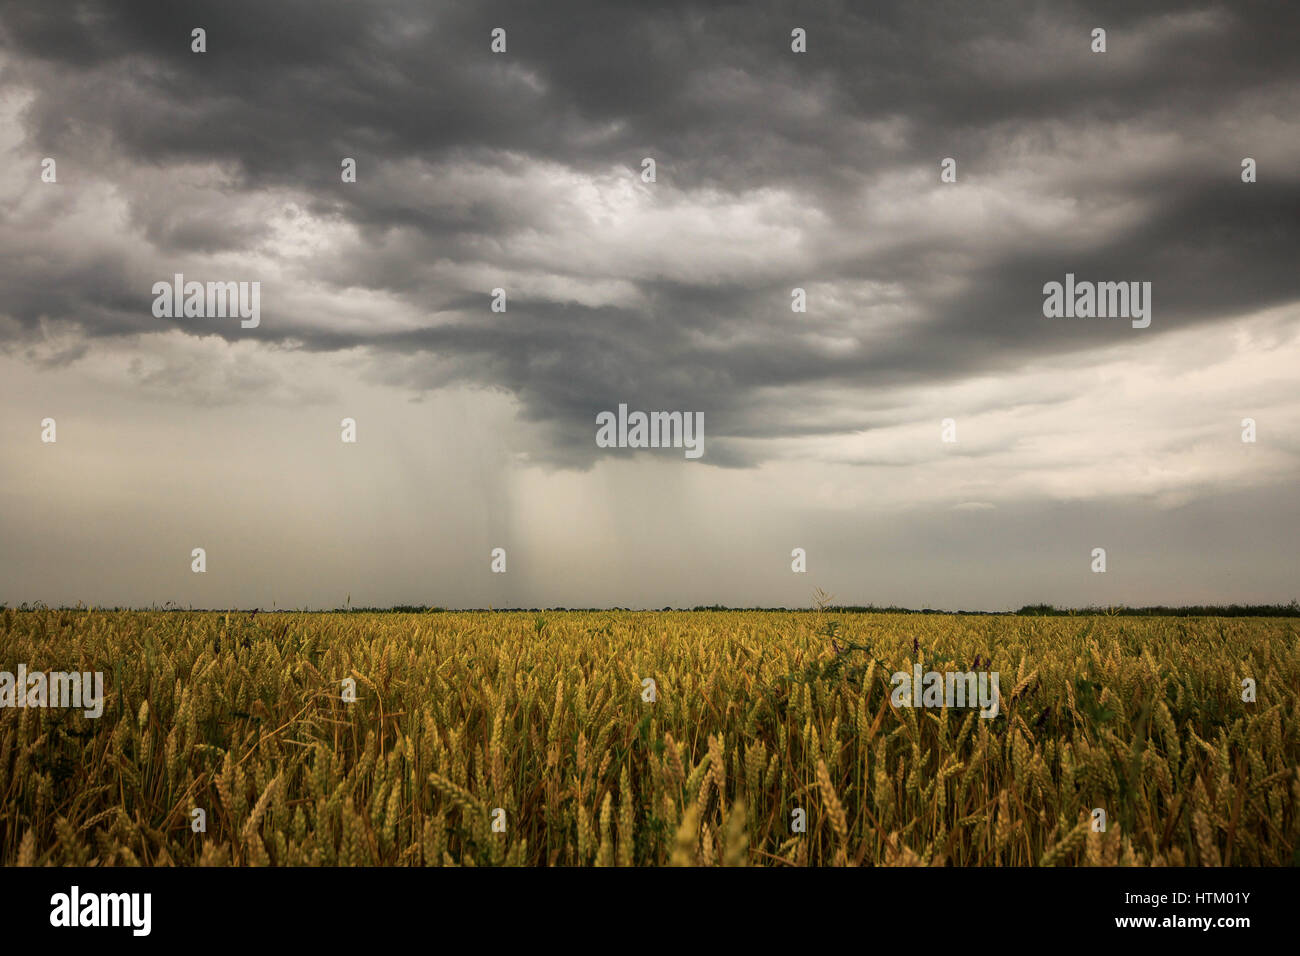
[512, 738]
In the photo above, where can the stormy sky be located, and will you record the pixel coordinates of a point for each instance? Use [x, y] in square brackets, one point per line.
[774, 170]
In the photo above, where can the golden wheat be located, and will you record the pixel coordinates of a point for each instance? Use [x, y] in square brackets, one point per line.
[756, 714]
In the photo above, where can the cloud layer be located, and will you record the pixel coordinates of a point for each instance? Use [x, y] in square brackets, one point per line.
[775, 170]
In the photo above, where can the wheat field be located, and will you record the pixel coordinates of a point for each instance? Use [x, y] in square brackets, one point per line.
[511, 738]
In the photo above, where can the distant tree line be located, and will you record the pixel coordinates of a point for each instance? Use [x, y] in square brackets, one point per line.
[1029, 610]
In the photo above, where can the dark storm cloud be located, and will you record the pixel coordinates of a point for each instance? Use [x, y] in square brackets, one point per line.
[715, 95]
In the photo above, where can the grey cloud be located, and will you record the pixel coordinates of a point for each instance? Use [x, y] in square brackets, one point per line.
[715, 95]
